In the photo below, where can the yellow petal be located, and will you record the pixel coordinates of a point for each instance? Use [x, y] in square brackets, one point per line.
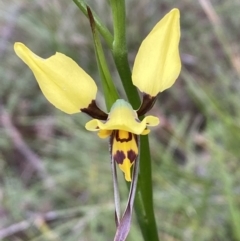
[124, 151]
[104, 133]
[126, 169]
[123, 117]
[157, 64]
[67, 86]
[145, 132]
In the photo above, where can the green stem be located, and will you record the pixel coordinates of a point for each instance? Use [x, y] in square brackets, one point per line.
[99, 25]
[145, 183]
[119, 50]
[144, 198]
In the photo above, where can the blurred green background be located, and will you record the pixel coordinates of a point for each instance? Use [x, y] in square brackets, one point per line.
[55, 177]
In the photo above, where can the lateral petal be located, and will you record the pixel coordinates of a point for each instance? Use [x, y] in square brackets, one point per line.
[66, 85]
[157, 64]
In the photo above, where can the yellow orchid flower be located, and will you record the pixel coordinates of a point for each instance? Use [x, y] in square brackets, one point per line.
[123, 126]
[69, 88]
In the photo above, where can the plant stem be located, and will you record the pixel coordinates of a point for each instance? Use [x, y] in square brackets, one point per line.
[145, 184]
[119, 51]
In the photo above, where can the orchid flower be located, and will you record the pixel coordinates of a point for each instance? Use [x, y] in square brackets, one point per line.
[69, 88]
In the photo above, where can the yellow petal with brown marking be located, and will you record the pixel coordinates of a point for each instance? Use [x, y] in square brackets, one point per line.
[124, 151]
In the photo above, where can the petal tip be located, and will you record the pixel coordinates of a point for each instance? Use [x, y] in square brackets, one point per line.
[175, 11]
[92, 125]
[18, 47]
[17, 44]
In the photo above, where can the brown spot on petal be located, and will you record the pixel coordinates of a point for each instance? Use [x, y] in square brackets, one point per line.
[131, 155]
[119, 157]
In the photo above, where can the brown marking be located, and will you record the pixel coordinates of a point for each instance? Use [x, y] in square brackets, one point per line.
[91, 19]
[119, 157]
[147, 104]
[135, 138]
[131, 155]
[123, 139]
[94, 111]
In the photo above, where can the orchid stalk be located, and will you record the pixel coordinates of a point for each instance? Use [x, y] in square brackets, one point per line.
[70, 89]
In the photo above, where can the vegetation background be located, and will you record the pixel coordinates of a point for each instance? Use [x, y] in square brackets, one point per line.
[55, 178]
